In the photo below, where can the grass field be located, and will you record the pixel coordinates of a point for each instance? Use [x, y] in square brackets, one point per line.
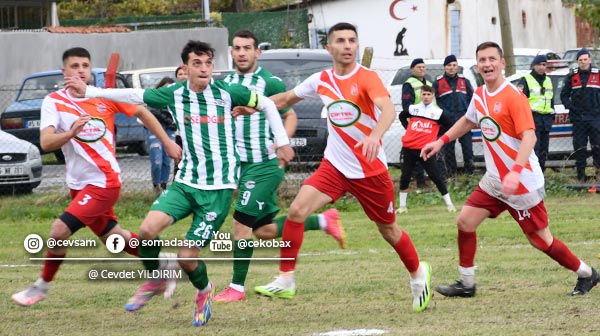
[520, 290]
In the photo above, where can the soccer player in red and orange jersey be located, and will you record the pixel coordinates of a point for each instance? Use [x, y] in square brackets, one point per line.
[84, 130]
[359, 112]
[513, 180]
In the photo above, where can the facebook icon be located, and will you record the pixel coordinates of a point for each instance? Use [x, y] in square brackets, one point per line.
[115, 243]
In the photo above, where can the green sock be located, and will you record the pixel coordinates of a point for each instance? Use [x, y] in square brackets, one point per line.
[198, 276]
[311, 223]
[240, 267]
[146, 251]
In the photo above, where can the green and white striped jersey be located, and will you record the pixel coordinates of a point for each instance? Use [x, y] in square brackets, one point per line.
[254, 138]
[207, 129]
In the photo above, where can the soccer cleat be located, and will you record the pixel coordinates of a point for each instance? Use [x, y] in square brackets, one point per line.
[334, 227]
[456, 289]
[584, 285]
[29, 296]
[421, 290]
[277, 289]
[451, 208]
[203, 309]
[144, 294]
[230, 294]
[401, 210]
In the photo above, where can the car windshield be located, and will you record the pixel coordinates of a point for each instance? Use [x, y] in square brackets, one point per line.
[40, 87]
[292, 72]
[571, 54]
[149, 80]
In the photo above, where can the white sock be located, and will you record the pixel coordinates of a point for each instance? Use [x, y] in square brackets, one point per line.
[584, 270]
[239, 288]
[286, 278]
[322, 222]
[467, 276]
[403, 197]
[44, 285]
[447, 199]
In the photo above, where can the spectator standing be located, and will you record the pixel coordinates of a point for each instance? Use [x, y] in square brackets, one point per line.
[411, 94]
[581, 96]
[423, 127]
[160, 162]
[453, 93]
[537, 87]
[180, 76]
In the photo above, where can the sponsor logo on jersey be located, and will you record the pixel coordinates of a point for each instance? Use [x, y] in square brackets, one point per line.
[343, 113]
[101, 107]
[250, 185]
[211, 216]
[93, 131]
[490, 129]
[497, 107]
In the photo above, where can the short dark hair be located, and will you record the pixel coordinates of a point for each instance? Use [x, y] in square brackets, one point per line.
[198, 48]
[76, 52]
[164, 81]
[426, 88]
[177, 70]
[341, 26]
[488, 44]
[247, 34]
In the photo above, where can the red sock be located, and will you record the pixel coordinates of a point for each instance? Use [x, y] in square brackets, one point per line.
[51, 266]
[407, 252]
[293, 232]
[467, 245]
[132, 250]
[561, 253]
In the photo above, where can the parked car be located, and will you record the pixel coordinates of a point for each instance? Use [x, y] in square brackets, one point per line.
[293, 66]
[22, 117]
[392, 139]
[20, 164]
[149, 77]
[570, 55]
[524, 57]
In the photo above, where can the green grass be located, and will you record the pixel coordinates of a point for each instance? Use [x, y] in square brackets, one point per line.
[520, 290]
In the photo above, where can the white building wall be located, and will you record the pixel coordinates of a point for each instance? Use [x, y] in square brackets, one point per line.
[427, 25]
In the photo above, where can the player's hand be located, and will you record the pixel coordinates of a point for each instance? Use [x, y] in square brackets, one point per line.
[242, 110]
[78, 124]
[173, 151]
[510, 183]
[431, 149]
[370, 148]
[285, 154]
[76, 86]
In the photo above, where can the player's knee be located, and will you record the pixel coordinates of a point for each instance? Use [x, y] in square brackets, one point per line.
[298, 212]
[537, 241]
[60, 230]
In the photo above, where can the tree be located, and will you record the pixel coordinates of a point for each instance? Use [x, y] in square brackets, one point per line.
[588, 10]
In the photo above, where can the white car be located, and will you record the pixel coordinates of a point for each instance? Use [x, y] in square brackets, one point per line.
[392, 139]
[20, 164]
[149, 77]
[524, 57]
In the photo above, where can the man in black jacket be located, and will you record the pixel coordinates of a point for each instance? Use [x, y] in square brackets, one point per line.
[581, 96]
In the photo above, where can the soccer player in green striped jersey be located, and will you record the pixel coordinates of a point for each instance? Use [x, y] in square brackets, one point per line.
[260, 173]
[209, 169]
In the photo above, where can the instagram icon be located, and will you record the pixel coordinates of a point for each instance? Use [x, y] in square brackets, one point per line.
[33, 243]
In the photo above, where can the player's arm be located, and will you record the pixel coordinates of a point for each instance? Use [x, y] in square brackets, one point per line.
[51, 141]
[151, 123]
[372, 143]
[510, 183]
[285, 99]
[79, 89]
[460, 128]
[290, 122]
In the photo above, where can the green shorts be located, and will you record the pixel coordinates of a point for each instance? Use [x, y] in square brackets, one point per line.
[209, 208]
[258, 188]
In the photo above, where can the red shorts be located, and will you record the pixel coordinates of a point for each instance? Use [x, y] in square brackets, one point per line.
[529, 220]
[375, 193]
[93, 207]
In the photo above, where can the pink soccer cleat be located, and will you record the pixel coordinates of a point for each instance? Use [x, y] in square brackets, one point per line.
[334, 227]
